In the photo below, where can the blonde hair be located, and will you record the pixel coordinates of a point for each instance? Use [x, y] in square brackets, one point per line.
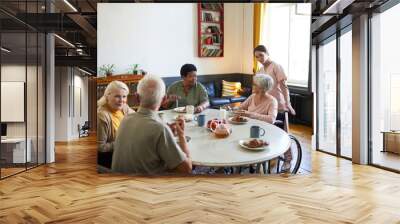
[111, 87]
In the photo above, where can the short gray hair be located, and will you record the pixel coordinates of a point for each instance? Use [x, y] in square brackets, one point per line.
[151, 90]
[264, 81]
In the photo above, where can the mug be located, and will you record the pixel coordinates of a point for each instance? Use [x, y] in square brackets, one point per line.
[201, 120]
[256, 132]
[222, 114]
[190, 109]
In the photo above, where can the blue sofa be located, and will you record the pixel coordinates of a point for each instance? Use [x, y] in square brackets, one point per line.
[213, 85]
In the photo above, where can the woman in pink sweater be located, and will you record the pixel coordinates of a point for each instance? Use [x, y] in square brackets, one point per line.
[260, 105]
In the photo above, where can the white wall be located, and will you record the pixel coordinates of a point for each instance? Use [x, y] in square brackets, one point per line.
[16, 73]
[69, 85]
[33, 126]
[61, 103]
[163, 37]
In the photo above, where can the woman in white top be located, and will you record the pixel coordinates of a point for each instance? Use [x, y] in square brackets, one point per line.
[279, 90]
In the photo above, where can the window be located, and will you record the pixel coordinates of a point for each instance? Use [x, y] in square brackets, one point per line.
[287, 37]
[346, 94]
[385, 85]
[22, 66]
[327, 97]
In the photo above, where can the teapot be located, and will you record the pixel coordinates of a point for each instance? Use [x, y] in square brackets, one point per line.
[220, 129]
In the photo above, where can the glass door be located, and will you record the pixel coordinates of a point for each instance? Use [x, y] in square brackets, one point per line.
[385, 89]
[326, 97]
[22, 77]
[346, 93]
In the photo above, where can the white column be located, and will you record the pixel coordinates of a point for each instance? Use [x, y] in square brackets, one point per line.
[360, 90]
[314, 91]
[50, 92]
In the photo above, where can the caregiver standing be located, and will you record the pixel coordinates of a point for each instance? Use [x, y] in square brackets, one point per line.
[279, 90]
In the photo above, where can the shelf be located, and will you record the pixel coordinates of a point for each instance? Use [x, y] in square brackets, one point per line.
[206, 19]
[213, 22]
[211, 33]
[211, 10]
[124, 78]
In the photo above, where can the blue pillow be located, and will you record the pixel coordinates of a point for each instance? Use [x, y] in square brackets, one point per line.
[210, 88]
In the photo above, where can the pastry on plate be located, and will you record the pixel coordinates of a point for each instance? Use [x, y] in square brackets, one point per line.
[238, 118]
[255, 143]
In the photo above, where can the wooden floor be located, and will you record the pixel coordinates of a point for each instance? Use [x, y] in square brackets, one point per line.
[386, 159]
[71, 191]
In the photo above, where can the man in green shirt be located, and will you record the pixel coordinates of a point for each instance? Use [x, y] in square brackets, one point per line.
[187, 91]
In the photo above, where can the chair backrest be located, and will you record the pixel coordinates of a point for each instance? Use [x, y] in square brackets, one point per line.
[86, 125]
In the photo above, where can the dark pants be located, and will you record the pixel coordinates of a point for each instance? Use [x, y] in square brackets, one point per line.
[280, 120]
[104, 159]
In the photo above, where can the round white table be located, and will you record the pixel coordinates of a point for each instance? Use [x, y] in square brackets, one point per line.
[208, 150]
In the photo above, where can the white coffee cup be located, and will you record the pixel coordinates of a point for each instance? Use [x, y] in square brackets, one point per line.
[190, 109]
[222, 113]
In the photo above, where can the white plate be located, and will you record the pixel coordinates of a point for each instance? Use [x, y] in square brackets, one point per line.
[237, 122]
[188, 118]
[241, 143]
[180, 109]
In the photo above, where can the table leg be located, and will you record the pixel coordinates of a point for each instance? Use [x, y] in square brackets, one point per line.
[258, 168]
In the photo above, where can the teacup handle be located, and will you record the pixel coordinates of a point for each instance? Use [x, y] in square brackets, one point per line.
[263, 132]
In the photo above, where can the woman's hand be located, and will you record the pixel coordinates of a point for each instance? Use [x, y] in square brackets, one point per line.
[242, 113]
[291, 110]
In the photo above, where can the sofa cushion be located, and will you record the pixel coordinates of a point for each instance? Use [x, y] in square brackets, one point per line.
[219, 101]
[237, 99]
[210, 89]
[230, 88]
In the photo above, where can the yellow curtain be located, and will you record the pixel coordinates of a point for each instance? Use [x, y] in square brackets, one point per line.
[257, 28]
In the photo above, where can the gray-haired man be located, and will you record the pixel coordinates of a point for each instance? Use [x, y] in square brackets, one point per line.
[146, 145]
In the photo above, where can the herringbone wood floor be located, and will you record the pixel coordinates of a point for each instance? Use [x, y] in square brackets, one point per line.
[71, 191]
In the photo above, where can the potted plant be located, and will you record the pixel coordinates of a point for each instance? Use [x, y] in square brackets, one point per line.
[134, 69]
[107, 69]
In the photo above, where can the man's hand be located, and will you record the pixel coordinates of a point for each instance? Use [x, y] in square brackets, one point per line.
[180, 127]
[173, 98]
[198, 109]
[172, 126]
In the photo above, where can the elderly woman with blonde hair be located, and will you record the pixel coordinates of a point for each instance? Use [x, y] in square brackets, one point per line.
[111, 109]
[260, 105]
